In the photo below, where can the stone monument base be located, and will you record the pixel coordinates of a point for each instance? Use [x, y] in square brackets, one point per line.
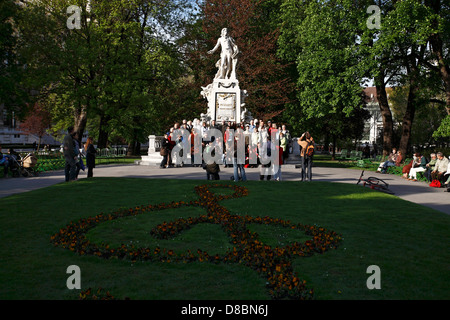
[153, 159]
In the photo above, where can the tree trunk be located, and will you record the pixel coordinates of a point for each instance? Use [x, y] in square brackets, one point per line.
[137, 149]
[80, 121]
[333, 157]
[102, 132]
[326, 143]
[412, 62]
[408, 119]
[134, 146]
[444, 70]
[39, 144]
[130, 148]
[437, 50]
[386, 114]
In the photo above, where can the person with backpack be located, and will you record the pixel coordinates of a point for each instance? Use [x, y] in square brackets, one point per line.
[306, 142]
[212, 168]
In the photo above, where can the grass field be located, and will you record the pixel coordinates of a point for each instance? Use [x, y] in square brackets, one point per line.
[408, 242]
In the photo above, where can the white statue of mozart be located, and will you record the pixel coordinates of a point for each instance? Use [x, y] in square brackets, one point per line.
[228, 57]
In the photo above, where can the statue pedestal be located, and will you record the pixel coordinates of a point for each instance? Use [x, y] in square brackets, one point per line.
[153, 158]
[225, 100]
[294, 157]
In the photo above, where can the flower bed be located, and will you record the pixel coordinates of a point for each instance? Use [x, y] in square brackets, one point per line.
[274, 264]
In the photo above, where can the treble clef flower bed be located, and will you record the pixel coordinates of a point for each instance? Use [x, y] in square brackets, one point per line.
[272, 263]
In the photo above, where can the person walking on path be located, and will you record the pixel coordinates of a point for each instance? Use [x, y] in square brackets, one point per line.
[304, 141]
[70, 155]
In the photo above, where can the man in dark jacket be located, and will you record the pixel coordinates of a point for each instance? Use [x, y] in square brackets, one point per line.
[211, 167]
[70, 155]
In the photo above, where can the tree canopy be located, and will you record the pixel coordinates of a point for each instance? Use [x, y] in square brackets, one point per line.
[130, 68]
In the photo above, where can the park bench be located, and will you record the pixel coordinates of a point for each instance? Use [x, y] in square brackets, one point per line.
[343, 155]
[398, 170]
[356, 155]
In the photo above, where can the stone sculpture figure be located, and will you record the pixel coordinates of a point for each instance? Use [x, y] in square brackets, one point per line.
[228, 57]
[206, 92]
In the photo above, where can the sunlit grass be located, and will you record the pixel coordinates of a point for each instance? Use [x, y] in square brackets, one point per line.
[407, 241]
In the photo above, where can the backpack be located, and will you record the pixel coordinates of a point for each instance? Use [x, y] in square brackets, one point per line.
[435, 184]
[309, 150]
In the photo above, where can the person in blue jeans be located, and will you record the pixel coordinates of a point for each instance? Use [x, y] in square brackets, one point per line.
[395, 163]
[238, 163]
[306, 161]
[239, 171]
[4, 161]
[389, 163]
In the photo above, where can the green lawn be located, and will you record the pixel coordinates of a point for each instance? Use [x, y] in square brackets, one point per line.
[407, 241]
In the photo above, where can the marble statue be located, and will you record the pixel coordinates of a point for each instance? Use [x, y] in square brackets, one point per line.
[228, 57]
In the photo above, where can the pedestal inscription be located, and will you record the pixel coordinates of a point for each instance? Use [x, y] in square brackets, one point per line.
[225, 107]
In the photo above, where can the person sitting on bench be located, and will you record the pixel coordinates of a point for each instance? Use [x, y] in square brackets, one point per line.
[4, 161]
[441, 167]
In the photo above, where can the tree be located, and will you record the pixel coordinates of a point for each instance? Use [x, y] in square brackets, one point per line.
[439, 37]
[143, 67]
[36, 122]
[335, 52]
[320, 38]
[404, 43]
[12, 93]
[439, 40]
[60, 61]
[115, 67]
[444, 129]
[260, 71]
[428, 117]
